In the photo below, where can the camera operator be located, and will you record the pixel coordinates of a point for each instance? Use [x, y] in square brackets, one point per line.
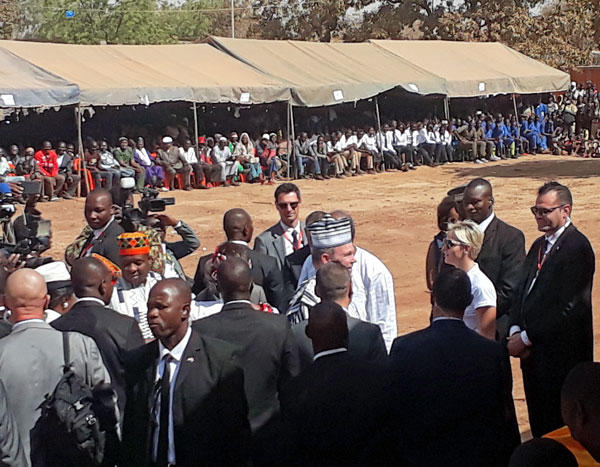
[173, 251]
[101, 232]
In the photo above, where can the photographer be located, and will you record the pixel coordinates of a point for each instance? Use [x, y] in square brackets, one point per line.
[173, 251]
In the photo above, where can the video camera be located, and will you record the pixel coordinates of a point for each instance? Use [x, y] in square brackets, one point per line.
[150, 202]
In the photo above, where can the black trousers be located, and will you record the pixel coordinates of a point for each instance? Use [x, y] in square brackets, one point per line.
[392, 160]
[422, 150]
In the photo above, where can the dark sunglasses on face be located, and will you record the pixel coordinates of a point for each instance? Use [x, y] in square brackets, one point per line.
[293, 205]
[448, 243]
[543, 211]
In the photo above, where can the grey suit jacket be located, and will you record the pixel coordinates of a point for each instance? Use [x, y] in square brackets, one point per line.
[11, 449]
[31, 364]
[272, 243]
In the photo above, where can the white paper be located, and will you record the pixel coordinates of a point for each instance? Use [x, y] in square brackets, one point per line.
[338, 95]
[481, 86]
[413, 87]
[8, 99]
[245, 98]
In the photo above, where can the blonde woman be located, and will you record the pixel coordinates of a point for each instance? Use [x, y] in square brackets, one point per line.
[461, 247]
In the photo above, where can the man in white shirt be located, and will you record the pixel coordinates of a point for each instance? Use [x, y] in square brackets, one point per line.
[419, 143]
[390, 156]
[402, 144]
[368, 149]
[342, 148]
[189, 154]
[222, 156]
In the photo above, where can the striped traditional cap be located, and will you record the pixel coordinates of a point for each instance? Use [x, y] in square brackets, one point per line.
[112, 267]
[330, 232]
[133, 243]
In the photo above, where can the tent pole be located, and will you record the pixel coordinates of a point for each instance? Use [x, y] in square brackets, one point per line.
[289, 144]
[82, 168]
[515, 107]
[447, 107]
[377, 114]
[293, 131]
[196, 132]
[232, 21]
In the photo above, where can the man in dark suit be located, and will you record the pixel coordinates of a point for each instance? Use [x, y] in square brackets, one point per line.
[453, 387]
[100, 234]
[113, 333]
[266, 350]
[288, 235]
[365, 341]
[185, 397]
[503, 252]
[238, 228]
[552, 319]
[340, 403]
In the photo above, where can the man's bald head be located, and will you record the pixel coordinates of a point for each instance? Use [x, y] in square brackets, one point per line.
[26, 295]
[333, 282]
[91, 278]
[169, 310]
[98, 208]
[237, 225]
[327, 327]
[234, 279]
[97, 193]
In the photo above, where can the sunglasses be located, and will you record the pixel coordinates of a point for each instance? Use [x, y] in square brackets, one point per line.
[293, 205]
[544, 211]
[448, 243]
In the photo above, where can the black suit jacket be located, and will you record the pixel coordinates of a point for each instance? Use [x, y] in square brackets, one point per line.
[501, 259]
[292, 267]
[209, 406]
[106, 245]
[453, 397]
[113, 333]
[265, 349]
[557, 312]
[365, 342]
[265, 273]
[336, 408]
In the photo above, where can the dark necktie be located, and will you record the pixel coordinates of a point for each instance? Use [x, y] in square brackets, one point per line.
[162, 454]
[295, 240]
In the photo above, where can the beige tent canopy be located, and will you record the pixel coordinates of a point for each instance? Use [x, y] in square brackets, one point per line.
[23, 84]
[132, 74]
[479, 68]
[326, 73]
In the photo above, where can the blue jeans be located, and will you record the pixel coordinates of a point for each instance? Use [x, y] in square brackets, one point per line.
[310, 162]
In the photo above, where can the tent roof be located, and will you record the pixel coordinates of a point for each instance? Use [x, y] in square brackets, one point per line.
[23, 84]
[327, 73]
[479, 68]
[142, 74]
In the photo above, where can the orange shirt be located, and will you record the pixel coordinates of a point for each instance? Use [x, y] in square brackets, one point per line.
[563, 436]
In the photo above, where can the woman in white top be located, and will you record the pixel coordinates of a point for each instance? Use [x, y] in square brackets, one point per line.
[461, 247]
[245, 154]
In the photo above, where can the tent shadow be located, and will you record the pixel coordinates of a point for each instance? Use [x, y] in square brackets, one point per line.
[538, 169]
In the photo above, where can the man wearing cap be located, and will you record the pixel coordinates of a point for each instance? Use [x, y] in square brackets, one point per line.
[100, 234]
[58, 283]
[223, 157]
[130, 294]
[173, 162]
[124, 156]
[331, 241]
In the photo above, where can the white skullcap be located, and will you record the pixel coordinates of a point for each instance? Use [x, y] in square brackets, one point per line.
[55, 273]
[265, 136]
[330, 232]
[167, 139]
[222, 138]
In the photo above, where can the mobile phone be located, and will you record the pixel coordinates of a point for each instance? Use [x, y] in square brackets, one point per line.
[31, 187]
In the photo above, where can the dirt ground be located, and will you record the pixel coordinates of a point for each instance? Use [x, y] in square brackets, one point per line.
[395, 218]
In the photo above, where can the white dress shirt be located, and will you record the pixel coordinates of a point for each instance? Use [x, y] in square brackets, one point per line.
[373, 297]
[176, 354]
[551, 240]
[189, 155]
[330, 352]
[288, 238]
[486, 222]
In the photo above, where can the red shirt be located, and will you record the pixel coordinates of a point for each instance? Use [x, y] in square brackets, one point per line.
[47, 163]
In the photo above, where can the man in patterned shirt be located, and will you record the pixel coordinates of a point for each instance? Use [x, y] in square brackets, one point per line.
[131, 292]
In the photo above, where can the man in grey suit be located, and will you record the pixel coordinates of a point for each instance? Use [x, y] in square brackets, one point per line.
[31, 356]
[287, 236]
[11, 449]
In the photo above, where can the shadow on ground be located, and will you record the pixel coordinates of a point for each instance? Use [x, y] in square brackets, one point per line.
[528, 166]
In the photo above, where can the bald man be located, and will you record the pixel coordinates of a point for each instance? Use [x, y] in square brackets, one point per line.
[101, 232]
[266, 347]
[113, 332]
[186, 403]
[335, 414]
[31, 356]
[365, 341]
[238, 228]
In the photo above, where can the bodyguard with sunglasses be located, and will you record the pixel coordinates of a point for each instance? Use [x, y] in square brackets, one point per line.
[552, 319]
[288, 236]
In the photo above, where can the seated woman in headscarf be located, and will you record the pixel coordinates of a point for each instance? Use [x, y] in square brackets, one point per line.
[155, 176]
[244, 153]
